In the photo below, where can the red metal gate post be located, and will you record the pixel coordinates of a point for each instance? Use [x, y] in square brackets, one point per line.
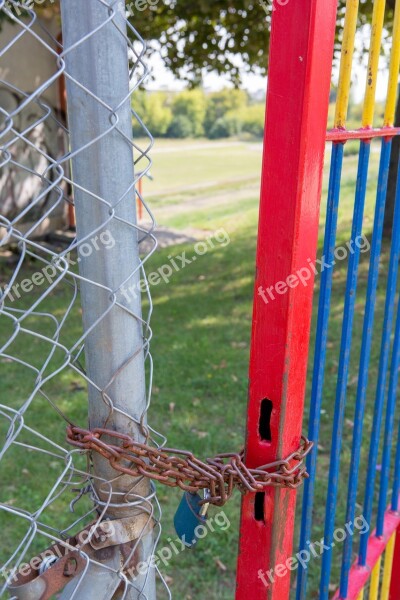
[299, 75]
[394, 593]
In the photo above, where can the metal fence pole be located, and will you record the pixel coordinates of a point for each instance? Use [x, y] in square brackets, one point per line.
[294, 142]
[99, 113]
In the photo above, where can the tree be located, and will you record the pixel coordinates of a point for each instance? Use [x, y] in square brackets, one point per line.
[191, 104]
[254, 119]
[198, 35]
[218, 105]
[201, 34]
[226, 126]
[181, 127]
[154, 111]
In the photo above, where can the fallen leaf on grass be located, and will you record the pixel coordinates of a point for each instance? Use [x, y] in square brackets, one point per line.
[239, 344]
[220, 565]
[222, 365]
[76, 386]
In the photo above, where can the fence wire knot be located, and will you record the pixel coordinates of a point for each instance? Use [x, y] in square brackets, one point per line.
[178, 468]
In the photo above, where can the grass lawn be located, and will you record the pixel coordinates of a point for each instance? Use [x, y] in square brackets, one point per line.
[201, 324]
[205, 167]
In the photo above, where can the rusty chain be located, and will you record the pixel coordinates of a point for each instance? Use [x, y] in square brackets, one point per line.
[178, 468]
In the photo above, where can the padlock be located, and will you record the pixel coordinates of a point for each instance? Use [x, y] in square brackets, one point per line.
[192, 512]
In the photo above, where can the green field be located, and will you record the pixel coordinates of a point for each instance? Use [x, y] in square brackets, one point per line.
[201, 325]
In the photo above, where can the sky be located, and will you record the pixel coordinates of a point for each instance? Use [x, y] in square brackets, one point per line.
[253, 83]
[212, 81]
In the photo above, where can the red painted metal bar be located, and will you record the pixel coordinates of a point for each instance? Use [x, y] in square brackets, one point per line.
[297, 106]
[359, 575]
[342, 135]
[394, 593]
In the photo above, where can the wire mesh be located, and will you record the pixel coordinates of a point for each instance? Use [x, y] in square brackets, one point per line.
[42, 342]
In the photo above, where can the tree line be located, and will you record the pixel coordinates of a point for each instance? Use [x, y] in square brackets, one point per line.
[194, 113]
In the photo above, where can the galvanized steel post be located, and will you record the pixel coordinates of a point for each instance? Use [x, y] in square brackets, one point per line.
[99, 114]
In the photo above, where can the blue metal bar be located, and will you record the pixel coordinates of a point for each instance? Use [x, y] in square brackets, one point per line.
[396, 481]
[319, 355]
[381, 385]
[389, 426]
[343, 369]
[373, 276]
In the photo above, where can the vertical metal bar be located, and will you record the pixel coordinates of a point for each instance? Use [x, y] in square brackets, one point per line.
[396, 479]
[361, 574]
[366, 343]
[320, 356]
[297, 106]
[395, 579]
[342, 102]
[394, 67]
[99, 116]
[378, 15]
[389, 424]
[346, 61]
[343, 369]
[375, 580]
[367, 121]
[387, 569]
[389, 120]
[381, 385]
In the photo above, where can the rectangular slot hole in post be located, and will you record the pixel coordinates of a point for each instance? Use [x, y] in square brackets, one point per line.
[264, 426]
[259, 506]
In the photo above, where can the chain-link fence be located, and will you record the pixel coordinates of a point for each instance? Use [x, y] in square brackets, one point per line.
[86, 57]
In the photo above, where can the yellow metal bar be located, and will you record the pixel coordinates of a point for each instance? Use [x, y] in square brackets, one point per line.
[361, 595]
[378, 15]
[387, 569]
[346, 61]
[393, 70]
[375, 578]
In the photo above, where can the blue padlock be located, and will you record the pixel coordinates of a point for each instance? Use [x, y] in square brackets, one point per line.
[191, 513]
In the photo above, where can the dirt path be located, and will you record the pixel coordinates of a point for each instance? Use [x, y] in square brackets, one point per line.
[204, 146]
[202, 186]
[206, 201]
[167, 236]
